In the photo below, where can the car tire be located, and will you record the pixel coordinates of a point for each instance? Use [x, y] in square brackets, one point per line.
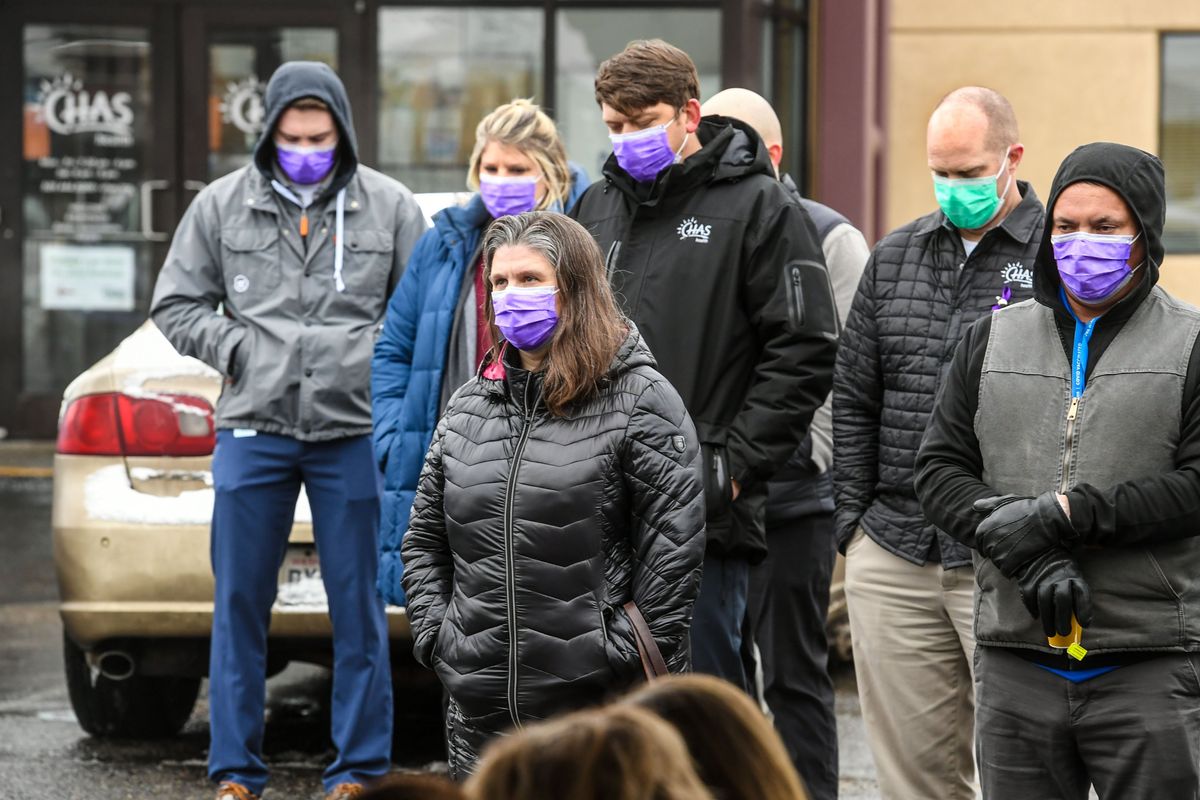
[139, 707]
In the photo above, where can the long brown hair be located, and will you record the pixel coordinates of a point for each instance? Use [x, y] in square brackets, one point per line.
[590, 327]
[615, 753]
[738, 752]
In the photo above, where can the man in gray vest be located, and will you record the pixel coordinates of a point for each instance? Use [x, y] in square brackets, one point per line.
[1065, 450]
[789, 591]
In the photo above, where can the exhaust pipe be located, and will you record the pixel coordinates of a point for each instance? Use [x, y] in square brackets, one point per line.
[116, 665]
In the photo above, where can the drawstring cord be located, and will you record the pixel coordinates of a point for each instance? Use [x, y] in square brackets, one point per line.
[339, 242]
[339, 228]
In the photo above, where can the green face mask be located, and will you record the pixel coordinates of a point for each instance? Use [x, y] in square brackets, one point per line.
[970, 203]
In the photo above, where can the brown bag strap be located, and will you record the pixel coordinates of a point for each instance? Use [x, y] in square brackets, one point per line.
[652, 661]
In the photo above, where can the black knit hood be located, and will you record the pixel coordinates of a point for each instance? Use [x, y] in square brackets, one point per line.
[291, 82]
[1135, 175]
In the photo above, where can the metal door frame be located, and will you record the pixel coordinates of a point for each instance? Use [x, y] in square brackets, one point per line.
[179, 73]
[32, 414]
[197, 21]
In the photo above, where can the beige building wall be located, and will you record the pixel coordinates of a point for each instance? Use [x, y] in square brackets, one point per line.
[1075, 72]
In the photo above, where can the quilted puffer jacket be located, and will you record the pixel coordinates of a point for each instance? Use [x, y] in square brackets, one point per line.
[918, 294]
[529, 532]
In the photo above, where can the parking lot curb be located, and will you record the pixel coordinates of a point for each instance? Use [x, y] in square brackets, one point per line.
[26, 472]
[28, 459]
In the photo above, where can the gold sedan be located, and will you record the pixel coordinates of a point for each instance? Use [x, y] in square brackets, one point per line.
[133, 499]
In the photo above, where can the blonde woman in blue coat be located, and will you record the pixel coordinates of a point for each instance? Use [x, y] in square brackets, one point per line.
[433, 339]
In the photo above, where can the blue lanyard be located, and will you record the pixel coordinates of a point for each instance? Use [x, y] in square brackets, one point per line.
[1079, 353]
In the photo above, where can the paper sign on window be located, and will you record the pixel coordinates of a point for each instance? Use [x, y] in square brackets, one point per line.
[92, 278]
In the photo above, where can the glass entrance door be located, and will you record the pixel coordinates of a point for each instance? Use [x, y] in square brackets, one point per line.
[121, 124]
[227, 64]
[89, 243]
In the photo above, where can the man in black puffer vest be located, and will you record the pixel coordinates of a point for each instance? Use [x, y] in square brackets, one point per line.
[909, 587]
[722, 273]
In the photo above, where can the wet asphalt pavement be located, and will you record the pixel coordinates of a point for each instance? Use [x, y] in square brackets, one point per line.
[44, 753]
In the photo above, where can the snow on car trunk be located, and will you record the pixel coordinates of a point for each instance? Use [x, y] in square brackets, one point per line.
[146, 355]
[109, 496]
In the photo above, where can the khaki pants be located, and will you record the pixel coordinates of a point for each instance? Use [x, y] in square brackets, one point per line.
[914, 644]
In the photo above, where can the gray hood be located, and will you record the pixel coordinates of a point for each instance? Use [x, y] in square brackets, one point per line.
[300, 318]
[291, 82]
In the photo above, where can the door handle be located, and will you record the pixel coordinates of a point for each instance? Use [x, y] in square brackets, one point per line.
[148, 190]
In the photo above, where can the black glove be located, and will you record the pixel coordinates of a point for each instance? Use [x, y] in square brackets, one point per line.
[1052, 588]
[1019, 529]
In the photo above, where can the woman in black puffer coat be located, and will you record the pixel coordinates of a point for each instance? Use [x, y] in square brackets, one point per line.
[562, 482]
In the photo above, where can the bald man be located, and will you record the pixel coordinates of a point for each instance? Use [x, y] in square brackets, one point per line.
[909, 586]
[789, 591]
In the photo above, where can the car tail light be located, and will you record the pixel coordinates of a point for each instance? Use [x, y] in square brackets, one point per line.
[159, 424]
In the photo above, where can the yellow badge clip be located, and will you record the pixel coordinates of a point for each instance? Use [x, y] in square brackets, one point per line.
[1070, 642]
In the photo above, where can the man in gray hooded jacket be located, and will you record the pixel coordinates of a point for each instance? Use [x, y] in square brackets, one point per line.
[301, 248]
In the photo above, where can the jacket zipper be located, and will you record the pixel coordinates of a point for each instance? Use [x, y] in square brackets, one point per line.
[610, 261]
[510, 580]
[796, 296]
[614, 250]
[1072, 412]
[718, 468]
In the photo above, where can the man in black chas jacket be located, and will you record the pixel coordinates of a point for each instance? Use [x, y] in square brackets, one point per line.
[723, 275]
[1065, 449]
[908, 586]
[789, 591]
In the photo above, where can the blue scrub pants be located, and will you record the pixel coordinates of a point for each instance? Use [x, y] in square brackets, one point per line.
[717, 619]
[257, 480]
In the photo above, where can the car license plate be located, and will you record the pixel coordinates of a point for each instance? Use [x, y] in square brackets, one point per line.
[300, 586]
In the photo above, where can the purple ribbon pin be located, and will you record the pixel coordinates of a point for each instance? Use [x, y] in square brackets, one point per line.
[1003, 298]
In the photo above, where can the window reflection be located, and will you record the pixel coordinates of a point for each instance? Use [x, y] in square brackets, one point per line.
[440, 72]
[588, 36]
[1180, 144]
[784, 76]
[87, 269]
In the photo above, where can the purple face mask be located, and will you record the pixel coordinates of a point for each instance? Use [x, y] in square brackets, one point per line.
[305, 165]
[645, 153]
[526, 316]
[508, 196]
[1093, 266]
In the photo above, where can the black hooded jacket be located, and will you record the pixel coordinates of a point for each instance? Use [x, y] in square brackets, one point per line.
[949, 465]
[724, 275]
